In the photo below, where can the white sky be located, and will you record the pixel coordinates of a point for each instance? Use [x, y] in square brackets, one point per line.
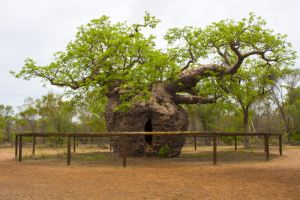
[39, 28]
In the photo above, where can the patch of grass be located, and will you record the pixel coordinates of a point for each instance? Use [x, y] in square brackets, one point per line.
[164, 151]
[81, 157]
[91, 156]
[242, 155]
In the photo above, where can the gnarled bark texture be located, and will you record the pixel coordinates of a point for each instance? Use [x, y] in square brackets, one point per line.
[160, 113]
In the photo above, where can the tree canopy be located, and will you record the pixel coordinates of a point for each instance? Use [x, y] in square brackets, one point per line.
[117, 58]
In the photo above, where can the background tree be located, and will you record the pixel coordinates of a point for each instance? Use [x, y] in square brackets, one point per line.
[6, 123]
[29, 115]
[250, 84]
[293, 111]
[55, 114]
[283, 95]
[90, 111]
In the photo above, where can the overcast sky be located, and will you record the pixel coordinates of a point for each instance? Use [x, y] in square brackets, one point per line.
[39, 28]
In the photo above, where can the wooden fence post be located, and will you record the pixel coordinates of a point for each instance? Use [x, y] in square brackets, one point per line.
[266, 136]
[20, 148]
[74, 144]
[195, 143]
[235, 143]
[33, 145]
[280, 145]
[215, 149]
[69, 151]
[124, 150]
[16, 145]
[109, 144]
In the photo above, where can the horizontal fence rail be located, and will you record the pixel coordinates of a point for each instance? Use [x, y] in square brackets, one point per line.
[184, 133]
[124, 135]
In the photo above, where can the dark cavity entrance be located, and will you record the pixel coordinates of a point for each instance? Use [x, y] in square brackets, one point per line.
[148, 128]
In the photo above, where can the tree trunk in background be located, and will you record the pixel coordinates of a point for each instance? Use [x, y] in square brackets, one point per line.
[287, 125]
[285, 118]
[205, 128]
[193, 123]
[159, 113]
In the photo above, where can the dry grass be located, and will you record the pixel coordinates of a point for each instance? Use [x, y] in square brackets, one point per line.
[97, 174]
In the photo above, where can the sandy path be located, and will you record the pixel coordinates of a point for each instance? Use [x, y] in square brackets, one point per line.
[151, 179]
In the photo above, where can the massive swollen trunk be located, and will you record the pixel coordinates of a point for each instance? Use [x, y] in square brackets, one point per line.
[160, 113]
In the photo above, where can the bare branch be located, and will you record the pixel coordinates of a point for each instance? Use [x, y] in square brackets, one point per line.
[187, 64]
[223, 55]
[192, 60]
[235, 48]
[241, 57]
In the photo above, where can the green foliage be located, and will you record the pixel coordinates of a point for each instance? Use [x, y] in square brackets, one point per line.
[250, 34]
[90, 111]
[219, 39]
[164, 151]
[105, 55]
[6, 122]
[207, 114]
[53, 113]
[109, 57]
[292, 106]
[230, 139]
[295, 138]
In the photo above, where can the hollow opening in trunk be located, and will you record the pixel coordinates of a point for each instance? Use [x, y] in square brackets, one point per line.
[148, 128]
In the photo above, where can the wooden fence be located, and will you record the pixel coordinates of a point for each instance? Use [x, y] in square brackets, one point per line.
[125, 135]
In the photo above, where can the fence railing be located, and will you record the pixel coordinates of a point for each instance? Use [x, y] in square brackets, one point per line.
[125, 135]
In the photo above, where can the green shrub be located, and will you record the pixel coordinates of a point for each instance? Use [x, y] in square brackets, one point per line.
[228, 140]
[164, 151]
[295, 138]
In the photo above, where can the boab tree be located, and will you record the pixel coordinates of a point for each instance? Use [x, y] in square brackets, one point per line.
[145, 86]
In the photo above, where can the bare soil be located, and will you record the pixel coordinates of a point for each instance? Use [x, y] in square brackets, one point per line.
[97, 174]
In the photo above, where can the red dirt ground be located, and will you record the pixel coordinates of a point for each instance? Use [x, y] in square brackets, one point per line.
[238, 175]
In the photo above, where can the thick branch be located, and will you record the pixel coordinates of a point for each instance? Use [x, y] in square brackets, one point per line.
[62, 84]
[191, 99]
[240, 59]
[74, 85]
[189, 78]
[260, 53]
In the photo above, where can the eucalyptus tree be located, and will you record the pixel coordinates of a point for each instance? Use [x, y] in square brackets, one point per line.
[283, 95]
[29, 115]
[252, 83]
[6, 122]
[145, 86]
[293, 110]
[55, 114]
[90, 112]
